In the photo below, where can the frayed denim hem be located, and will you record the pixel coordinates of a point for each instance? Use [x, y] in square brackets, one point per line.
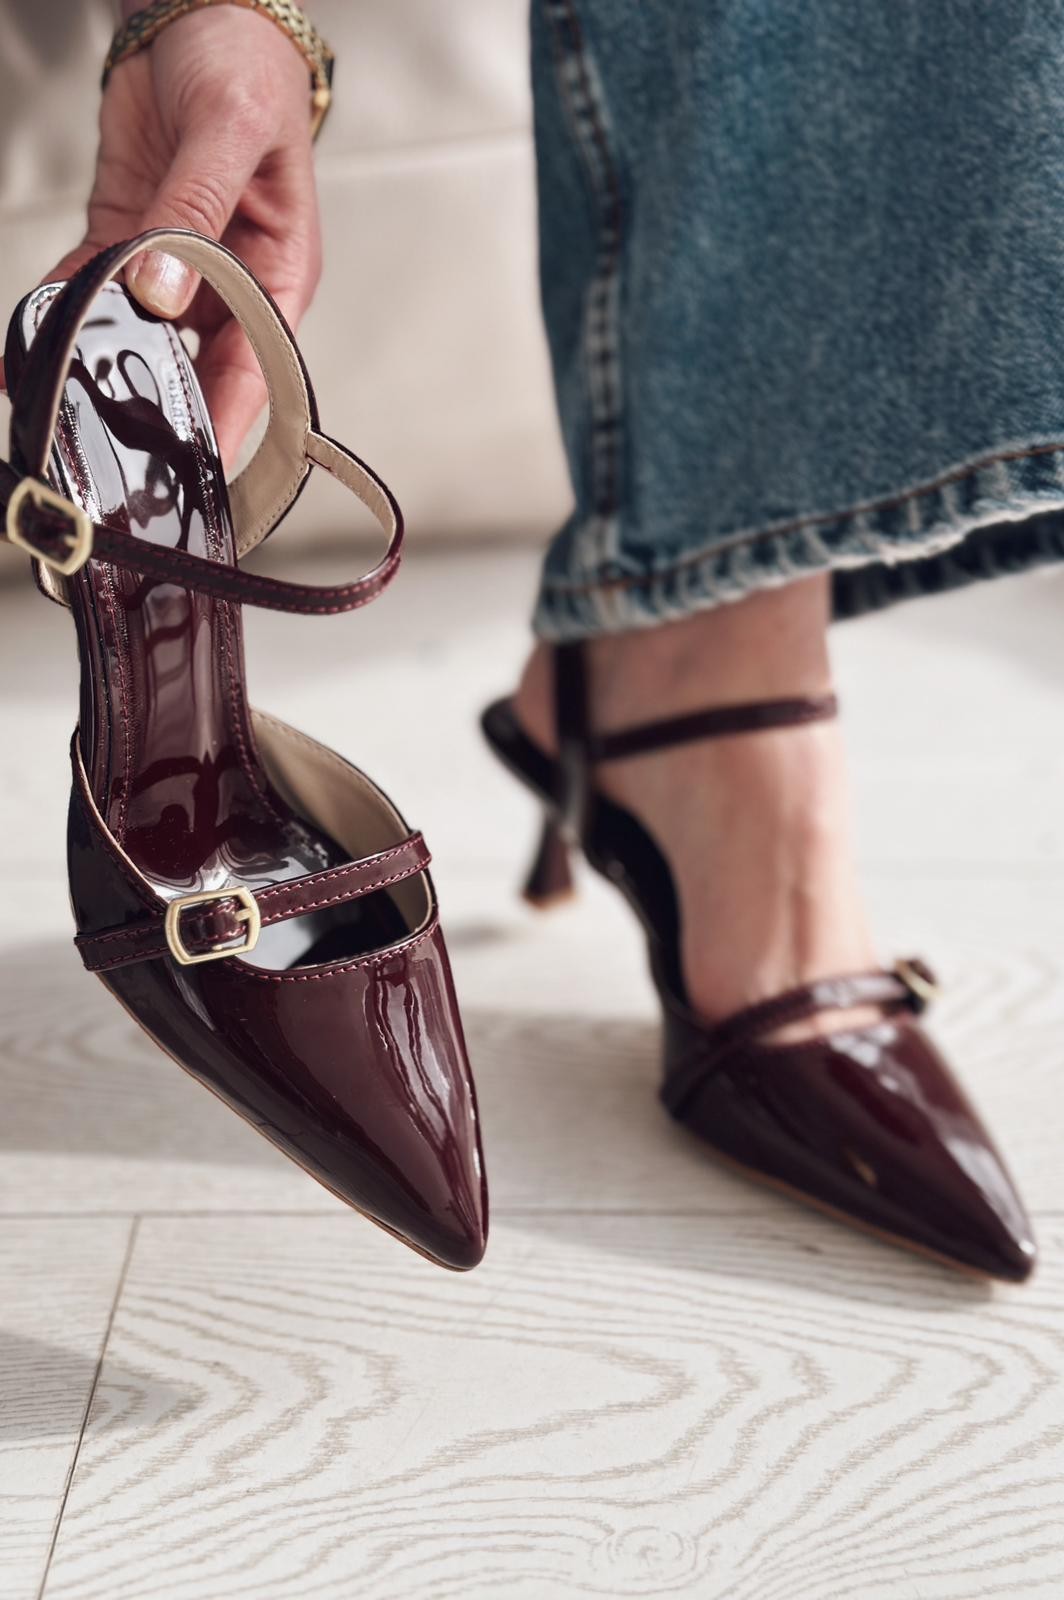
[993, 518]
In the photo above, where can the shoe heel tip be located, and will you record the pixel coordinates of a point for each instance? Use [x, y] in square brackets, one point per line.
[549, 901]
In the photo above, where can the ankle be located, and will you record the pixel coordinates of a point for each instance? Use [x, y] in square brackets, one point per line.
[534, 698]
[767, 646]
[770, 645]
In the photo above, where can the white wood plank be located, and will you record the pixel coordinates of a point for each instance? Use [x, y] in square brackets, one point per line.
[58, 1282]
[611, 1406]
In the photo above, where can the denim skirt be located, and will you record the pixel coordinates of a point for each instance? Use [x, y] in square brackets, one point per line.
[802, 267]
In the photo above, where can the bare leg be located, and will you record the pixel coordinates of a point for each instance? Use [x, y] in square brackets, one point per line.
[756, 828]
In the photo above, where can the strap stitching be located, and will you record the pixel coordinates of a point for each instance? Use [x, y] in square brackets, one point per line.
[223, 537]
[167, 564]
[100, 830]
[241, 969]
[140, 935]
[363, 889]
[247, 971]
[276, 890]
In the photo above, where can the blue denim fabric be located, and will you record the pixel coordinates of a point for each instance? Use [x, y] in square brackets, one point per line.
[802, 267]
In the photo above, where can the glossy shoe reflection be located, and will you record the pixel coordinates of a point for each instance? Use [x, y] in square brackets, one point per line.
[355, 1068]
[868, 1124]
[258, 905]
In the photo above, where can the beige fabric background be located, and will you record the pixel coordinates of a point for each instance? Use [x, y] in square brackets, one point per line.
[425, 344]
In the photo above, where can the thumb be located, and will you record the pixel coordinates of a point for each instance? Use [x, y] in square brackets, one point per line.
[201, 191]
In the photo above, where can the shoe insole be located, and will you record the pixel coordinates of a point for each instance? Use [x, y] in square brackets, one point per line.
[164, 722]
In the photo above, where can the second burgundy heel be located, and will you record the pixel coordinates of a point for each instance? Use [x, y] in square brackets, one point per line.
[550, 877]
[867, 1123]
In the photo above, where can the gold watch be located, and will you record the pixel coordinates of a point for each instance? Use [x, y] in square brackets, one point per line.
[139, 29]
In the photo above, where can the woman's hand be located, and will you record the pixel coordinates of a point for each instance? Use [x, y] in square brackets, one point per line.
[209, 128]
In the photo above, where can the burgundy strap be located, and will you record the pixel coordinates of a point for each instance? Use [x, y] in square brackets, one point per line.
[580, 747]
[55, 531]
[717, 723]
[207, 927]
[910, 985]
[45, 530]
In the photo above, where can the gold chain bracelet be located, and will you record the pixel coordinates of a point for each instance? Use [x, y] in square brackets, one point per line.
[138, 31]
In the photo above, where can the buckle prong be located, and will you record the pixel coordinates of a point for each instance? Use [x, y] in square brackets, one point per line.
[249, 914]
[919, 981]
[77, 536]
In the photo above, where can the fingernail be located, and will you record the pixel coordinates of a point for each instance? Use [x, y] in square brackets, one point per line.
[161, 283]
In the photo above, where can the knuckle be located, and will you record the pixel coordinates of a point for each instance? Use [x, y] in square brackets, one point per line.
[248, 108]
[201, 203]
[238, 106]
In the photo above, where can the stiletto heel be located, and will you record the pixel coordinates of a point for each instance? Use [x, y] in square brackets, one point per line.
[550, 877]
[868, 1123]
[258, 905]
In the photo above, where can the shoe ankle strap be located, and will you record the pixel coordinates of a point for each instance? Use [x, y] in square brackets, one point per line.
[58, 534]
[62, 537]
[580, 747]
[719, 722]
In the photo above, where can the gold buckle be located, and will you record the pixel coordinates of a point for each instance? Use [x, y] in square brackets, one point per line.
[918, 981]
[249, 914]
[78, 537]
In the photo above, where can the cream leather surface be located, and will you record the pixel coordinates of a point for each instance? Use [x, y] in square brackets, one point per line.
[340, 799]
[424, 345]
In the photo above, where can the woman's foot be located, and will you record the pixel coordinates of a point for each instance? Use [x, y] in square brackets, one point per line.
[756, 827]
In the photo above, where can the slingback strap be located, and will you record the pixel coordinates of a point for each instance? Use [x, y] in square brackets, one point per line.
[909, 986]
[218, 923]
[717, 723]
[580, 747]
[60, 535]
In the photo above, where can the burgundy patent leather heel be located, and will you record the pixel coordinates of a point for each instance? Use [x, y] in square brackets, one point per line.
[868, 1124]
[258, 905]
[550, 877]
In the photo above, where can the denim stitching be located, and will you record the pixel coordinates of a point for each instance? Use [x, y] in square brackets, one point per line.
[582, 96]
[856, 515]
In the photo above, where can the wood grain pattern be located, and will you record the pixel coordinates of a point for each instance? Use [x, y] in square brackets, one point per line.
[59, 1280]
[664, 1381]
[621, 1406]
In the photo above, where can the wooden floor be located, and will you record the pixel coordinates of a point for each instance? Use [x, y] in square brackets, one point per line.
[215, 1382]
